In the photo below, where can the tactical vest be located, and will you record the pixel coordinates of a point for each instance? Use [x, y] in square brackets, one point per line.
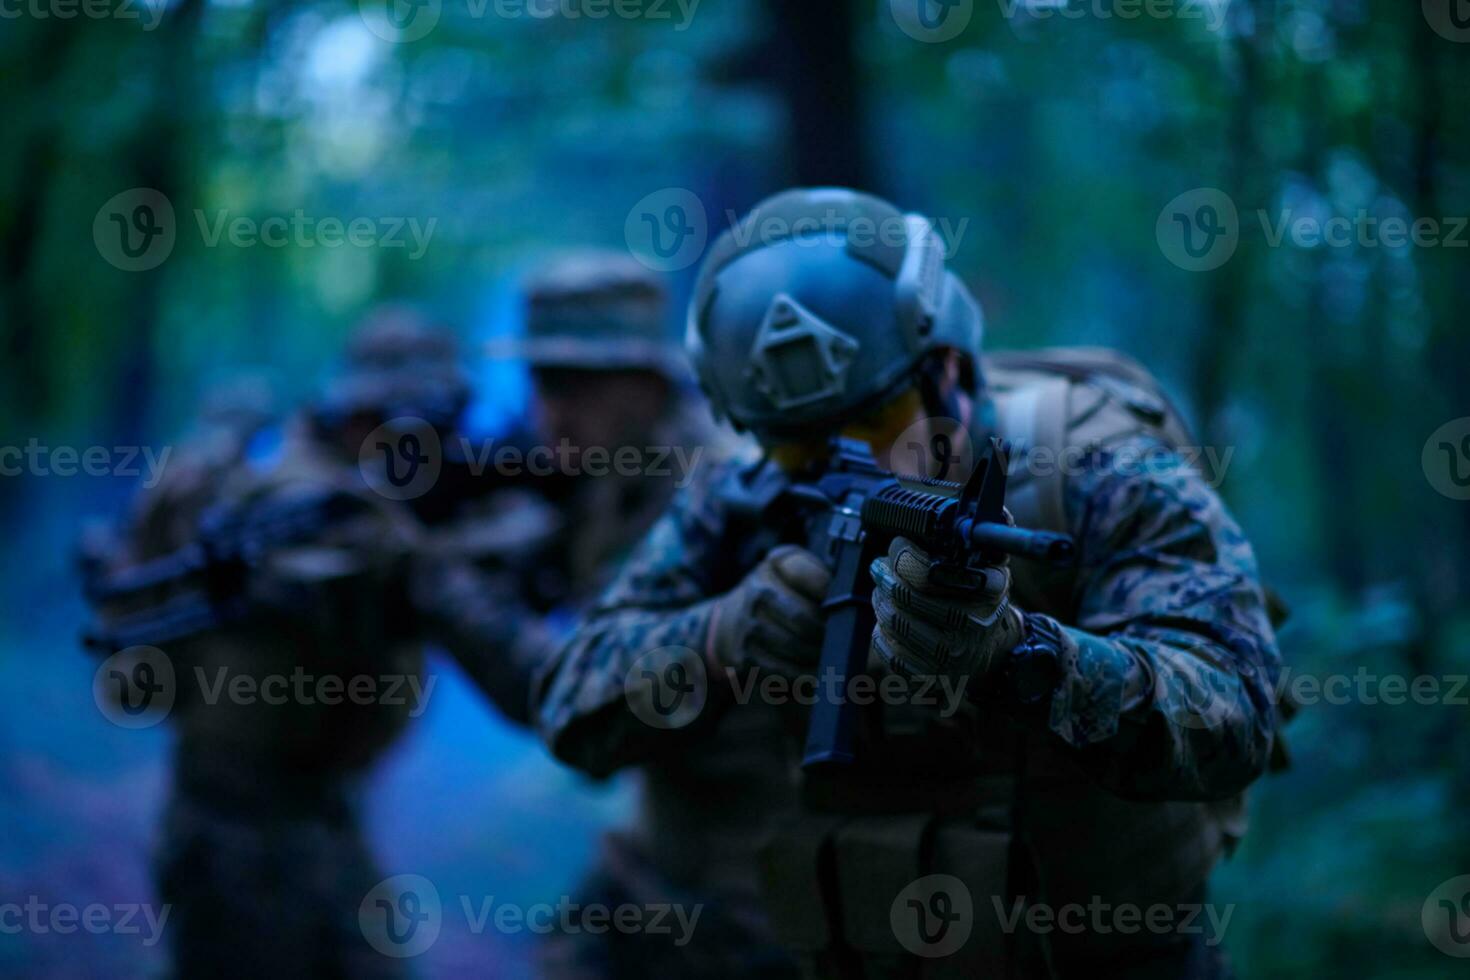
[1034, 824]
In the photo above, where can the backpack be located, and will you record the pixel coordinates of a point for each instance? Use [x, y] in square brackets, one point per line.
[1054, 398]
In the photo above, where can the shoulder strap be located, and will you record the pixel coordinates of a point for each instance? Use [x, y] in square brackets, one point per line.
[1033, 416]
[1054, 402]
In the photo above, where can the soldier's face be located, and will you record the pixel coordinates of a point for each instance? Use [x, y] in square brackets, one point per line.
[891, 430]
[880, 429]
[601, 408]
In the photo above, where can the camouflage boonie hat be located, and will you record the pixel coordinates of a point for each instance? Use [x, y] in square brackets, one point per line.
[596, 311]
[398, 363]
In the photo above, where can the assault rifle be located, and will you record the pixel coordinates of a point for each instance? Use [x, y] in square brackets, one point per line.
[204, 585]
[207, 584]
[848, 513]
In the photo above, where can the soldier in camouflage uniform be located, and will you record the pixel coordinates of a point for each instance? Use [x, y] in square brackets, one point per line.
[1111, 713]
[604, 376]
[262, 856]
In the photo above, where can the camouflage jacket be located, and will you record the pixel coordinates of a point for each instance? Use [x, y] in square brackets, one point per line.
[501, 611]
[1170, 659]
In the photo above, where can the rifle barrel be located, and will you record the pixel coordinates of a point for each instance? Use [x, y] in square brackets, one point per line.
[1043, 545]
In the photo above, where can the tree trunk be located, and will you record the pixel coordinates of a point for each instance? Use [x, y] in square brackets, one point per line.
[814, 66]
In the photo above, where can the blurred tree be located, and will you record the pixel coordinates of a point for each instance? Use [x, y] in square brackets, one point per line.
[813, 64]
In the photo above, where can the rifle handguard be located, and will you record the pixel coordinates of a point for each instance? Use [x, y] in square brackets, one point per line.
[934, 521]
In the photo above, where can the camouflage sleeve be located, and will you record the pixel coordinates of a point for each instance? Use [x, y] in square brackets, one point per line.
[659, 600]
[1172, 659]
[481, 620]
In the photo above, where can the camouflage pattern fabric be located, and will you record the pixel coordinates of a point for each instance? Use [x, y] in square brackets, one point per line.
[267, 881]
[1168, 695]
[260, 853]
[690, 841]
[1167, 691]
[595, 310]
[1168, 673]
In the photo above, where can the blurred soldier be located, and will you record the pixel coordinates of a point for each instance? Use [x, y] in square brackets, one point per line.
[607, 380]
[1109, 715]
[611, 438]
[262, 856]
[608, 386]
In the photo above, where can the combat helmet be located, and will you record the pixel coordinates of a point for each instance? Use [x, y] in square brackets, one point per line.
[818, 304]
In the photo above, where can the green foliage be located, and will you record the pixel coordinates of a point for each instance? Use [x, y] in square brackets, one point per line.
[1060, 140]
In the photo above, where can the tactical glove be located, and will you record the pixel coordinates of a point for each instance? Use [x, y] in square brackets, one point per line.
[963, 628]
[773, 619]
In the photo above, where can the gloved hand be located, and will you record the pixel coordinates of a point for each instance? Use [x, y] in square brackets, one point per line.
[773, 619]
[962, 629]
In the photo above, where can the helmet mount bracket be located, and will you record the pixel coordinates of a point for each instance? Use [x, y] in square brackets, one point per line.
[798, 358]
